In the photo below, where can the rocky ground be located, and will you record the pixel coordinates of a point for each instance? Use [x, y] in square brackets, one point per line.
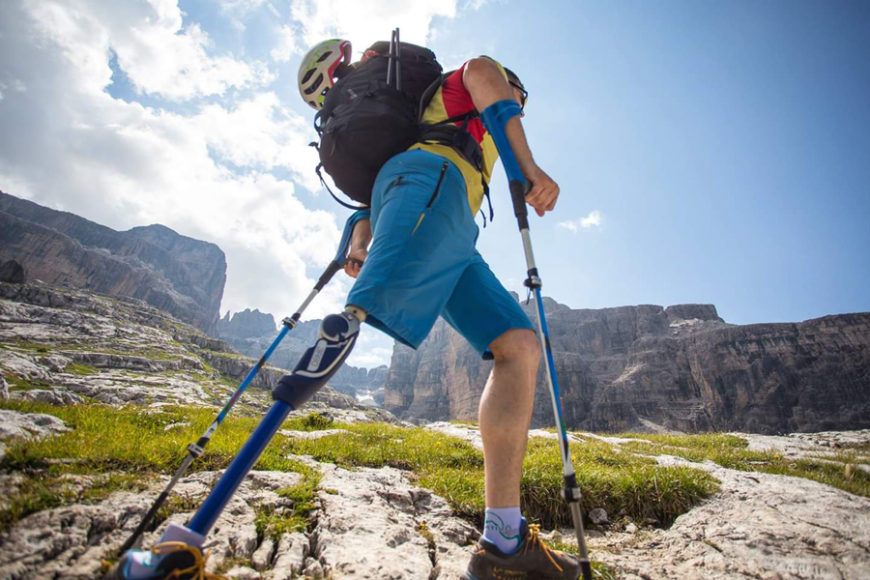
[758, 525]
[67, 346]
[63, 347]
[374, 523]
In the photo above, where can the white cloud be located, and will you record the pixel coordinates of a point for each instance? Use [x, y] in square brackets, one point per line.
[241, 7]
[475, 5]
[366, 22]
[373, 349]
[260, 132]
[204, 173]
[288, 45]
[15, 85]
[593, 220]
[220, 159]
[75, 35]
[163, 58]
[158, 53]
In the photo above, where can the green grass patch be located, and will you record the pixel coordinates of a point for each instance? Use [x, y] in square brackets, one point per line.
[731, 451]
[134, 439]
[849, 453]
[693, 447]
[846, 457]
[303, 497]
[174, 503]
[53, 488]
[138, 442]
[143, 442]
[80, 369]
[600, 571]
[31, 346]
[316, 422]
[34, 495]
[152, 352]
[622, 484]
[17, 383]
[448, 466]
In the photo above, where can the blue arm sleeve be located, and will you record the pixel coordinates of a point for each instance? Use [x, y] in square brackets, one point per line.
[494, 118]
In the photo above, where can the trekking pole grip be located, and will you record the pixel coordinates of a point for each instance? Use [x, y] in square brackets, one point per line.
[518, 190]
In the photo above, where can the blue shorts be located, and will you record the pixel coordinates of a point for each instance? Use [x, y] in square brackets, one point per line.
[422, 261]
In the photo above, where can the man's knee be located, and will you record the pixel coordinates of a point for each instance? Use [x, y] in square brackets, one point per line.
[519, 344]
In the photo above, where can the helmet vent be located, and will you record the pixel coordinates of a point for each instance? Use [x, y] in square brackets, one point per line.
[315, 85]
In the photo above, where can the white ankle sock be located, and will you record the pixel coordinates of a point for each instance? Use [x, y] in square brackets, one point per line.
[178, 533]
[142, 563]
[501, 526]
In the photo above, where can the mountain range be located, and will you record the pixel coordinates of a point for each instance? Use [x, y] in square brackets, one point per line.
[630, 368]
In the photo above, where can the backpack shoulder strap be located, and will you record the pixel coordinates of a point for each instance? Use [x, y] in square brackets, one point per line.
[430, 91]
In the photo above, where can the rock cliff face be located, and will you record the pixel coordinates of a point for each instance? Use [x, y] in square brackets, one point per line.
[179, 275]
[647, 367]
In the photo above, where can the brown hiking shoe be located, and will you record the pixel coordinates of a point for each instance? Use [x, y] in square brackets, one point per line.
[532, 561]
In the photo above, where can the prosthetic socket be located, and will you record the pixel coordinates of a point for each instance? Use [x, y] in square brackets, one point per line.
[338, 334]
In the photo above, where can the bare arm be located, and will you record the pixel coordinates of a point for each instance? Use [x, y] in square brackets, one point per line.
[487, 85]
[359, 243]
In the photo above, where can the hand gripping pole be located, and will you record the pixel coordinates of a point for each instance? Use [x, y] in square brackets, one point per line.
[495, 117]
[196, 449]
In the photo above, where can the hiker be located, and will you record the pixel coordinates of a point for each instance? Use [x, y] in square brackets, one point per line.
[415, 259]
[413, 256]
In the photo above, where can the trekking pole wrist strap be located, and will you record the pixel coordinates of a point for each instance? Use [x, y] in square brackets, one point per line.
[495, 118]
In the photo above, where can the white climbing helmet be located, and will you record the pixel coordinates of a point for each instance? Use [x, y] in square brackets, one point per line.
[320, 69]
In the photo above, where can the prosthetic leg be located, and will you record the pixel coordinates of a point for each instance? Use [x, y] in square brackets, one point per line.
[179, 550]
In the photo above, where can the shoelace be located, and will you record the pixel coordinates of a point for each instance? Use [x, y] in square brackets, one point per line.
[534, 540]
[197, 570]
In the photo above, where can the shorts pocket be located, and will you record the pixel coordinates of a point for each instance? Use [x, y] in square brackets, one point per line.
[438, 185]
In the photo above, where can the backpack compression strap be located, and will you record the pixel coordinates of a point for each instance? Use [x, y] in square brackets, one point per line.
[335, 197]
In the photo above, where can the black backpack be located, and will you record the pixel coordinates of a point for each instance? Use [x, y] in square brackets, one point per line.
[371, 114]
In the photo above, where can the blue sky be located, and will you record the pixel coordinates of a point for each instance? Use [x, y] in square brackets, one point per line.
[711, 151]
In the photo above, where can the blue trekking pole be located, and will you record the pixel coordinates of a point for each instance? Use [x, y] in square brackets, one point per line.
[338, 333]
[495, 117]
[196, 449]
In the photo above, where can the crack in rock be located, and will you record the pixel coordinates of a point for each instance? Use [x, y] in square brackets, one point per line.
[375, 524]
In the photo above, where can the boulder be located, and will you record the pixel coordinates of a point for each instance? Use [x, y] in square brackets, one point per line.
[13, 272]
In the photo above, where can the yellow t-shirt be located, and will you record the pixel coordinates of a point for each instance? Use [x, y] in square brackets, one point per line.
[450, 100]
